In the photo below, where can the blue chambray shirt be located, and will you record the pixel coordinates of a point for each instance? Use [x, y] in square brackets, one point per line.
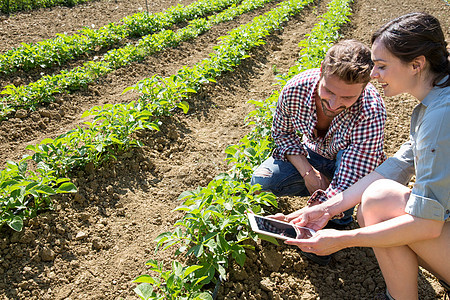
[427, 154]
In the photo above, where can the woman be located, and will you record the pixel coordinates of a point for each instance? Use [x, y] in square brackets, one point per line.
[406, 228]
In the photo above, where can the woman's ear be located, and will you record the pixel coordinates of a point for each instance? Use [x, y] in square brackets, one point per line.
[418, 64]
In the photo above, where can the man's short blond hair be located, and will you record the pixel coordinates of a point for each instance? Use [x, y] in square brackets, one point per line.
[350, 60]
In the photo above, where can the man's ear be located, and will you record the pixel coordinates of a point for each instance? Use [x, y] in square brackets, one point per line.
[418, 63]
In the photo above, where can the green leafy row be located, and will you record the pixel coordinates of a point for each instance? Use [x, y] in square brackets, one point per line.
[43, 90]
[320, 39]
[102, 139]
[230, 51]
[214, 227]
[65, 47]
[11, 6]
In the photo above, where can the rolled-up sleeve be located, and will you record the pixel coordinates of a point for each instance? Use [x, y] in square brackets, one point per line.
[431, 192]
[400, 167]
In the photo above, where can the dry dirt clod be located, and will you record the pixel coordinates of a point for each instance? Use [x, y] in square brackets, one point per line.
[81, 235]
[47, 254]
[21, 114]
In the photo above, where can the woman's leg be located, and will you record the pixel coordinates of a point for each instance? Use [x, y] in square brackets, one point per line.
[384, 200]
[399, 266]
[434, 254]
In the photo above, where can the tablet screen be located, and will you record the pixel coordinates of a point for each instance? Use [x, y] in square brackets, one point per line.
[272, 226]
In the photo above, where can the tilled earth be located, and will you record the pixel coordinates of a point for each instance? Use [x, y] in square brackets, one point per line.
[93, 244]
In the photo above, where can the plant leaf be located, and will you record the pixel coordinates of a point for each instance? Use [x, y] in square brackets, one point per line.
[16, 223]
[144, 291]
[67, 187]
[145, 279]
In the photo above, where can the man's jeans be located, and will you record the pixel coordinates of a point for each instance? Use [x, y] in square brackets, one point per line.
[282, 178]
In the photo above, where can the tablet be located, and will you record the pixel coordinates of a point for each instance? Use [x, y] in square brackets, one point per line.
[278, 229]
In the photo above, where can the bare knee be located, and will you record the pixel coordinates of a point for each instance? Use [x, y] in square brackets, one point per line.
[382, 200]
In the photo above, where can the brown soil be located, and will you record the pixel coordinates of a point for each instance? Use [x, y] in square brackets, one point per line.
[95, 243]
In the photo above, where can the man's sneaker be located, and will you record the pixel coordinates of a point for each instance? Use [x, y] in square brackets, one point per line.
[321, 260]
[446, 289]
[332, 225]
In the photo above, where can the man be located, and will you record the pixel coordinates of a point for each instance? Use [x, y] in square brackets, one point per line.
[328, 129]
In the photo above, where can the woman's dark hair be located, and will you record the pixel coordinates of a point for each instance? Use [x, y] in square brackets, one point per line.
[415, 34]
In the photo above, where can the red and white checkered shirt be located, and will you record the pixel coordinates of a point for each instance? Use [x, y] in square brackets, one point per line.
[358, 131]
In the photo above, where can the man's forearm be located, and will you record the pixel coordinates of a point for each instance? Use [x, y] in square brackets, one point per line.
[300, 162]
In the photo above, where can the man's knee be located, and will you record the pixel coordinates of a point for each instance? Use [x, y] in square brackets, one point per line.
[262, 176]
[263, 172]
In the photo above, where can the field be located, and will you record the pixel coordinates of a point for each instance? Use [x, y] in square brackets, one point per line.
[94, 243]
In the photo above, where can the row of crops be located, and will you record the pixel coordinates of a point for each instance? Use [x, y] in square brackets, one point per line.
[12, 6]
[64, 47]
[213, 231]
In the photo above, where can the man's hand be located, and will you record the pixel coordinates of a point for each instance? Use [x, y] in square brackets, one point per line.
[315, 181]
[287, 218]
[314, 217]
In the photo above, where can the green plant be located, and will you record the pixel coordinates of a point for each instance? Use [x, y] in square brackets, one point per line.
[43, 89]
[321, 38]
[214, 226]
[178, 283]
[64, 47]
[11, 6]
[109, 133]
[24, 192]
[247, 155]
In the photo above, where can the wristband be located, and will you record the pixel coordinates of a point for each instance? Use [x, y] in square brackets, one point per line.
[307, 172]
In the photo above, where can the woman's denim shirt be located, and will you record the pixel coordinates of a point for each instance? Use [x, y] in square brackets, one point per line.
[427, 155]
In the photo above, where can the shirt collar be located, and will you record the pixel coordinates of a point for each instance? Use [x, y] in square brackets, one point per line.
[435, 91]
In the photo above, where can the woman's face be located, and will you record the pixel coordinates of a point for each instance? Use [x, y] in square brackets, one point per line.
[395, 76]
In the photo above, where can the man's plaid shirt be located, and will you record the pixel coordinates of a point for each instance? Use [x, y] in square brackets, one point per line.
[358, 131]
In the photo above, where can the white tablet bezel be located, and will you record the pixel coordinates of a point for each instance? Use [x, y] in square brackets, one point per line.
[255, 228]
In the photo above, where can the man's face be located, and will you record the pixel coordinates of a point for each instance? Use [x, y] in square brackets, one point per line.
[336, 95]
